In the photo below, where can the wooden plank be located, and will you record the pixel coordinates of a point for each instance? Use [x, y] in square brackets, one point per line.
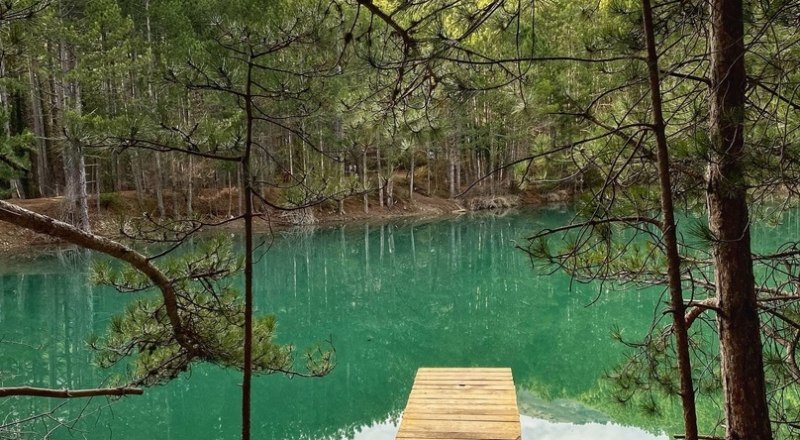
[466, 373]
[466, 391]
[422, 398]
[462, 397]
[435, 405]
[461, 404]
[499, 417]
[464, 376]
[486, 375]
[464, 379]
[460, 383]
[466, 370]
[462, 407]
[468, 409]
[459, 435]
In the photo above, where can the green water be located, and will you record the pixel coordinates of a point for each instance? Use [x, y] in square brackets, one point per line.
[391, 297]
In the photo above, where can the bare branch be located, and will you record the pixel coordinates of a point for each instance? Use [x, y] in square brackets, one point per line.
[68, 394]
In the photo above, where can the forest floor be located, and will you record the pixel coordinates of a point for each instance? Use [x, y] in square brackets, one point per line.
[113, 210]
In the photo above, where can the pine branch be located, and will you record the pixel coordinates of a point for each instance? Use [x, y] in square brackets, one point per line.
[49, 226]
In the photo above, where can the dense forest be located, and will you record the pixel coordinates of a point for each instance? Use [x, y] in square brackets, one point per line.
[672, 126]
[117, 82]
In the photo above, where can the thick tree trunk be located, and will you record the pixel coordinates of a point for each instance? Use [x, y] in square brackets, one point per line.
[746, 413]
[76, 206]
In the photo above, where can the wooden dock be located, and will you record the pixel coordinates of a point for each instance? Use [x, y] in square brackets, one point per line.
[462, 403]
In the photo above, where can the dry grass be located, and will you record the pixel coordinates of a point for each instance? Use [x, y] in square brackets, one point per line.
[492, 202]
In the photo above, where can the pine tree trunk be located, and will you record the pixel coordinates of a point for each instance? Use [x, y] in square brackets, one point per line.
[430, 164]
[76, 207]
[39, 162]
[451, 171]
[742, 367]
[670, 234]
[458, 170]
[51, 128]
[162, 213]
[247, 189]
[291, 156]
[389, 192]
[411, 179]
[230, 195]
[136, 165]
[381, 180]
[97, 178]
[342, 167]
[342, 172]
[364, 180]
[190, 188]
[176, 192]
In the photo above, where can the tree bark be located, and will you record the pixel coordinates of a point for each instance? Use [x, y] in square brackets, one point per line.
[39, 165]
[190, 188]
[67, 394]
[138, 182]
[411, 179]
[742, 366]
[76, 206]
[669, 233]
[381, 180]
[364, 180]
[451, 169]
[162, 212]
[247, 181]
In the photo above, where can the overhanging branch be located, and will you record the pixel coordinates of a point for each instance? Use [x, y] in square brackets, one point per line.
[68, 394]
[32, 221]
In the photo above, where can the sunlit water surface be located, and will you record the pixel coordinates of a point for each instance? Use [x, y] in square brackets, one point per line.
[391, 297]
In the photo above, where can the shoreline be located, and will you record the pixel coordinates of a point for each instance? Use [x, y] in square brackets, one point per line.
[18, 243]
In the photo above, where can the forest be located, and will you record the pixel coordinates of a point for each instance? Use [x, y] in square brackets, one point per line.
[171, 144]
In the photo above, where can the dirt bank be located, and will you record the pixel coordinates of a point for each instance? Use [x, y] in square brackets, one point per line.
[108, 218]
[113, 210]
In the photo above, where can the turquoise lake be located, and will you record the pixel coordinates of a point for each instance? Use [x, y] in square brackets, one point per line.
[392, 297]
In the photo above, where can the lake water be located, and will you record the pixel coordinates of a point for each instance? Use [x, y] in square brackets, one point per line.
[391, 297]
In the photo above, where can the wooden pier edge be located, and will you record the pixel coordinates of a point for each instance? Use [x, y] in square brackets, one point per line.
[461, 404]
